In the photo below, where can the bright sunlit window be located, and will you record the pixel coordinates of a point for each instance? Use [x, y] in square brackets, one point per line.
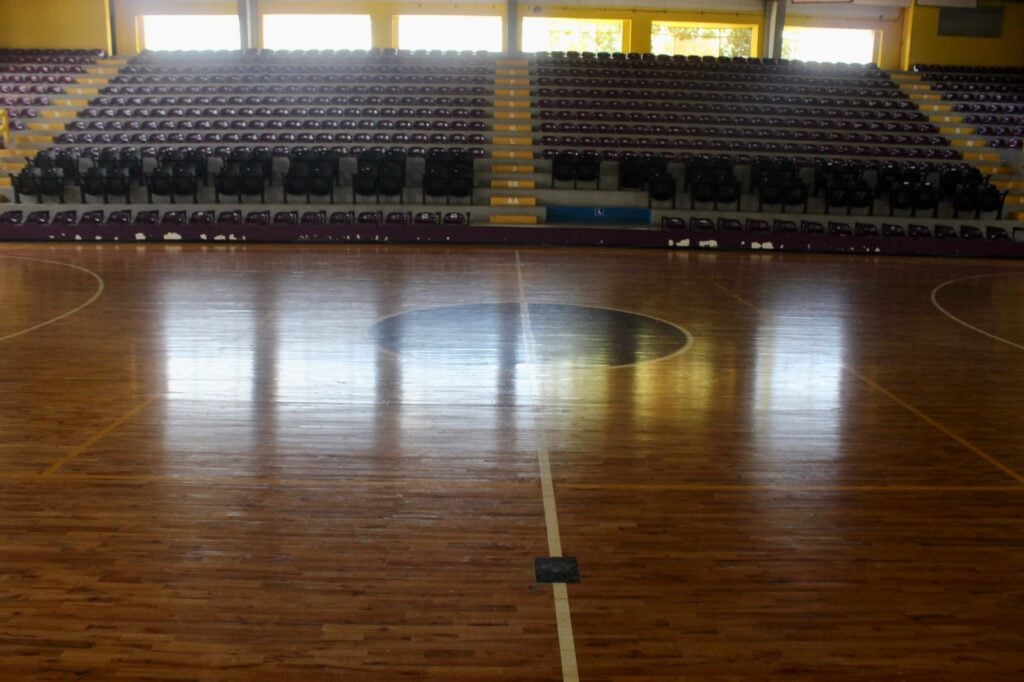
[191, 32]
[543, 34]
[674, 37]
[316, 31]
[853, 46]
[459, 32]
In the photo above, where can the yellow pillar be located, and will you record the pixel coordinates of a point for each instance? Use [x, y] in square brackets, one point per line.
[639, 36]
[382, 27]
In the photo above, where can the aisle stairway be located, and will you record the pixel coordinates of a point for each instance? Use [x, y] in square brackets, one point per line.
[1004, 167]
[513, 175]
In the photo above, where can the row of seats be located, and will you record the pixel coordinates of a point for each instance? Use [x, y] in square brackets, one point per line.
[665, 112]
[273, 138]
[860, 229]
[258, 89]
[575, 87]
[647, 60]
[33, 79]
[552, 143]
[217, 123]
[286, 100]
[235, 217]
[617, 120]
[718, 76]
[50, 56]
[316, 112]
[263, 78]
[750, 132]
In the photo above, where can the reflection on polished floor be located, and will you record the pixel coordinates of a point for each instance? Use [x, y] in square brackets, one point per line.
[342, 462]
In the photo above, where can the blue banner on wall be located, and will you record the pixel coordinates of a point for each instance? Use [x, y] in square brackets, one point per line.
[618, 215]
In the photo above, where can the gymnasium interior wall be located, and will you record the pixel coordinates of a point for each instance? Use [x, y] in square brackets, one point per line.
[912, 37]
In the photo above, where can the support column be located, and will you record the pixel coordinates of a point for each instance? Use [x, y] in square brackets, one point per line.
[512, 28]
[248, 18]
[774, 23]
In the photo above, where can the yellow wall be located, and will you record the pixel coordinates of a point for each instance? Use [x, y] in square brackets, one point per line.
[69, 24]
[925, 46]
[887, 45]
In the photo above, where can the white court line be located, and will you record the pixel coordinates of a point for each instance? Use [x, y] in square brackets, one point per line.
[99, 291]
[563, 614]
[935, 302]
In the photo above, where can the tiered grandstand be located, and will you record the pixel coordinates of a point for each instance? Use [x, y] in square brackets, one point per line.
[565, 147]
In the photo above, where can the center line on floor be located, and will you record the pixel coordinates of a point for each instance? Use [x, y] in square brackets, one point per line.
[563, 613]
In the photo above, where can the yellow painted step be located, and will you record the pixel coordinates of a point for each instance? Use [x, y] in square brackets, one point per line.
[520, 141]
[509, 219]
[511, 168]
[83, 91]
[511, 81]
[513, 115]
[37, 139]
[1009, 184]
[990, 169]
[513, 184]
[511, 62]
[511, 154]
[956, 130]
[969, 142]
[511, 103]
[66, 102]
[906, 76]
[513, 128]
[11, 166]
[101, 70]
[43, 127]
[513, 201]
[981, 156]
[502, 92]
[936, 107]
[58, 114]
[5, 182]
[95, 80]
[939, 118]
[1015, 200]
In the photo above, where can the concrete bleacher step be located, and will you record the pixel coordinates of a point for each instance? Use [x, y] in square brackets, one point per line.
[513, 201]
[513, 184]
[513, 219]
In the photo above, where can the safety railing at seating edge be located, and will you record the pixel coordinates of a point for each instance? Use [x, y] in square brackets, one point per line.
[4, 128]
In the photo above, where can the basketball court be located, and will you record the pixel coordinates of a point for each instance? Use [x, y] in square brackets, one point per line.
[389, 462]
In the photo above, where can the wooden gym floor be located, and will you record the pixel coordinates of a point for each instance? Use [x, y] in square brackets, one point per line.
[288, 462]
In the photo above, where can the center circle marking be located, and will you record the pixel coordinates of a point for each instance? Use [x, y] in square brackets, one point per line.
[493, 334]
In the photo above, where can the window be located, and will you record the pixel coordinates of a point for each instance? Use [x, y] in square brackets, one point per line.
[440, 32]
[316, 31]
[191, 32]
[854, 46]
[541, 34]
[673, 37]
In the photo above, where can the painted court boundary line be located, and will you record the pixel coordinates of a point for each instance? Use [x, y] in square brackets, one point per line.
[938, 306]
[100, 286]
[563, 613]
[937, 425]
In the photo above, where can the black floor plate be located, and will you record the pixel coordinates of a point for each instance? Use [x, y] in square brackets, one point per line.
[556, 569]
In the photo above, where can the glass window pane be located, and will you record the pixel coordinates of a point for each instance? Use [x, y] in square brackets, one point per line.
[850, 45]
[316, 31]
[541, 34]
[191, 32]
[457, 32]
[673, 37]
